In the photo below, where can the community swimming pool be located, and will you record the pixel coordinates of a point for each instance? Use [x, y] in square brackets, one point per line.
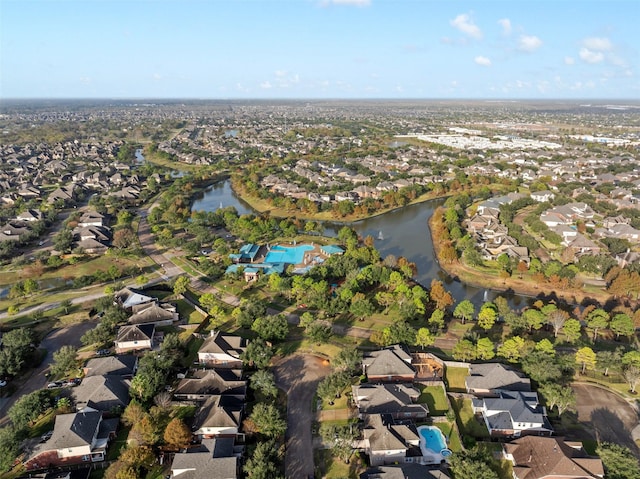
[432, 442]
[287, 254]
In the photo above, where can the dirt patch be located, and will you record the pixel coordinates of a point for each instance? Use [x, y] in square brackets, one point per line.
[606, 416]
[299, 376]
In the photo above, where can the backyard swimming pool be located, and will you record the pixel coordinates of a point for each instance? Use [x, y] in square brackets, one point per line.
[287, 254]
[432, 441]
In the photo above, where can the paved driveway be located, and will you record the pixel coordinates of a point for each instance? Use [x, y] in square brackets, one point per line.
[299, 376]
[606, 415]
[54, 341]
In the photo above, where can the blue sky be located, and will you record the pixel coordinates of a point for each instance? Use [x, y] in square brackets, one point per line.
[320, 49]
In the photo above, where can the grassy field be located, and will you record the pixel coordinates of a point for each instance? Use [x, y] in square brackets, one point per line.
[453, 438]
[467, 422]
[188, 312]
[330, 467]
[454, 379]
[435, 398]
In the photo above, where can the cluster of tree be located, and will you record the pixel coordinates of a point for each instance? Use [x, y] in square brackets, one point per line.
[18, 350]
[23, 414]
[267, 423]
[345, 366]
[110, 316]
[154, 368]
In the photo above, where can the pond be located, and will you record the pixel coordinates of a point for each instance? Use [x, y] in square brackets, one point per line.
[401, 232]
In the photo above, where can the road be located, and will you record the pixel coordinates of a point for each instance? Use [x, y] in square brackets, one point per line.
[299, 376]
[606, 415]
[57, 338]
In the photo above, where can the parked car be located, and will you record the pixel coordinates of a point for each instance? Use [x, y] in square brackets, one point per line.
[46, 436]
[3, 383]
[54, 385]
[103, 352]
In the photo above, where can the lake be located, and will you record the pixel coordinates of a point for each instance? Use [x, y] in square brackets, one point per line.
[402, 232]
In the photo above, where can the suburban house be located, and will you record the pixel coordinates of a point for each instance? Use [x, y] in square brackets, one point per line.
[403, 471]
[128, 298]
[215, 459]
[77, 438]
[102, 393]
[219, 416]
[124, 366]
[388, 443]
[211, 382]
[222, 350]
[396, 400]
[513, 414]
[550, 458]
[392, 364]
[487, 379]
[160, 314]
[134, 337]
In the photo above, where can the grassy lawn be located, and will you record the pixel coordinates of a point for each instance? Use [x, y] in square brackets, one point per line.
[189, 312]
[327, 350]
[453, 439]
[193, 345]
[454, 379]
[435, 398]
[330, 467]
[119, 443]
[467, 422]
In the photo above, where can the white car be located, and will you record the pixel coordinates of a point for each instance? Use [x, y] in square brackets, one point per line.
[2, 383]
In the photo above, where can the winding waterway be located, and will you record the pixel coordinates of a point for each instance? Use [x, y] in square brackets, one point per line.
[402, 232]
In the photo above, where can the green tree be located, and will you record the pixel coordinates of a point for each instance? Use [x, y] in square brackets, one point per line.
[319, 332]
[558, 396]
[361, 308]
[487, 316]
[464, 350]
[9, 448]
[436, 320]
[464, 311]
[534, 319]
[586, 358]
[268, 420]
[63, 240]
[264, 382]
[619, 462]
[64, 360]
[340, 438]
[180, 285]
[541, 367]
[597, 320]
[485, 349]
[348, 360]
[473, 463]
[424, 338]
[545, 346]
[264, 462]
[512, 349]
[271, 328]
[257, 354]
[607, 360]
[571, 330]
[29, 408]
[622, 325]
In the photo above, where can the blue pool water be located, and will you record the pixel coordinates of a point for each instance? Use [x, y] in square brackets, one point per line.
[433, 438]
[287, 254]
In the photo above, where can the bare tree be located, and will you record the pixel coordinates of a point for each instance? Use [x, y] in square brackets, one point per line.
[556, 319]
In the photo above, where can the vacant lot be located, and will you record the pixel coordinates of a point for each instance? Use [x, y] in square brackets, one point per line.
[606, 415]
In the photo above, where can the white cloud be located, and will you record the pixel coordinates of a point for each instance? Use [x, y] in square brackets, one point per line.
[265, 85]
[356, 3]
[157, 76]
[569, 60]
[464, 23]
[484, 61]
[85, 80]
[505, 23]
[529, 43]
[280, 73]
[598, 44]
[590, 56]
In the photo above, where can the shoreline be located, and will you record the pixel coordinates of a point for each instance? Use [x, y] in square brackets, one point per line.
[521, 287]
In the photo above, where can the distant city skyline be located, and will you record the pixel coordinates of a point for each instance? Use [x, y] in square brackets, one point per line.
[314, 49]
